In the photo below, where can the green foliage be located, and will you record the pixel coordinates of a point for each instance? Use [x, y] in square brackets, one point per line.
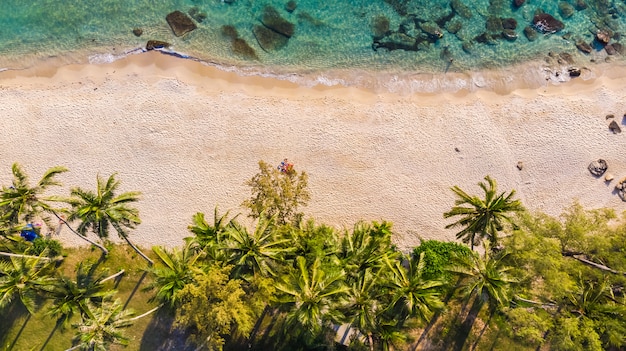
[529, 325]
[52, 247]
[277, 195]
[103, 326]
[172, 273]
[213, 307]
[437, 257]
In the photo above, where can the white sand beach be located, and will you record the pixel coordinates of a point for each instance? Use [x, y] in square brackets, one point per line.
[188, 136]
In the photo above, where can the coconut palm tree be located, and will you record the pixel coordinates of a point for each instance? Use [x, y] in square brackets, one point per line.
[255, 253]
[311, 295]
[364, 304]
[210, 234]
[173, 272]
[482, 218]
[103, 209]
[24, 278]
[102, 326]
[70, 297]
[367, 247]
[486, 279]
[21, 203]
[413, 294]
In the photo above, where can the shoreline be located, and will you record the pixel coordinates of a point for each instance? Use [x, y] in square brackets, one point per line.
[188, 136]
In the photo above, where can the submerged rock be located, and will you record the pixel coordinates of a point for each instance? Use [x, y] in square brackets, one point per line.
[545, 23]
[137, 32]
[290, 6]
[229, 31]
[597, 168]
[509, 23]
[243, 49]
[530, 33]
[268, 39]
[584, 47]
[566, 10]
[518, 3]
[461, 9]
[180, 23]
[380, 26]
[272, 20]
[198, 15]
[619, 48]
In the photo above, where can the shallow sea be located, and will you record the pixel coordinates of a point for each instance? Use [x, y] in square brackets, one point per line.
[328, 36]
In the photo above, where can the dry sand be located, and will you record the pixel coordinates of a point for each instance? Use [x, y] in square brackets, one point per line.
[188, 136]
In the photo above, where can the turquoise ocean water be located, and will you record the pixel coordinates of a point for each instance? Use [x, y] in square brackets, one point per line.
[426, 35]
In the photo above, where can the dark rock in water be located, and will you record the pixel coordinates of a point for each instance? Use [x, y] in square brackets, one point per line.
[580, 5]
[137, 31]
[198, 15]
[610, 50]
[156, 44]
[619, 48]
[268, 39]
[468, 47]
[180, 23]
[454, 26]
[574, 72]
[597, 168]
[509, 34]
[485, 38]
[566, 10]
[305, 16]
[229, 31]
[461, 9]
[518, 3]
[530, 33]
[380, 26]
[290, 6]
[396, 41]
[432, 29]
[229, 1]
[603, 37]
[243, 49]
[399, 6]
[614, 127]
[584, 47]
[493, 24]
[545, 23]
[509, 23]
[272, 20]
[441, 21]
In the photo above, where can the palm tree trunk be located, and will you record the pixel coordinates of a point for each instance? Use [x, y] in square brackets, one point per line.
[150, 262]
[370, 341]
[145, 314]
[105, 252]
[113, 276]
[25, 256]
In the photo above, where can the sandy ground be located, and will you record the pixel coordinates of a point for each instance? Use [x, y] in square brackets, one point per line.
[188, 136]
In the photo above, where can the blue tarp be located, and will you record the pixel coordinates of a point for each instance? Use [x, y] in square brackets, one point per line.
[29, 233]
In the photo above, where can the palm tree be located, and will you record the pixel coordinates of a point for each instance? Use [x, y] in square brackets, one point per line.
[412, 293]
[364, 304]
[21, 203]
[367, 247]
[104, 209]
[254, 253]
[210, 234]
[23, 278]
[482, 218]
[173, 273]
[486, 279]
[102, 327]
[71, 297]
[311, 295]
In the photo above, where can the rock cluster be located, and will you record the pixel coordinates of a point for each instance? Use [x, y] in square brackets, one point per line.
[274, 31]
[597, 168]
